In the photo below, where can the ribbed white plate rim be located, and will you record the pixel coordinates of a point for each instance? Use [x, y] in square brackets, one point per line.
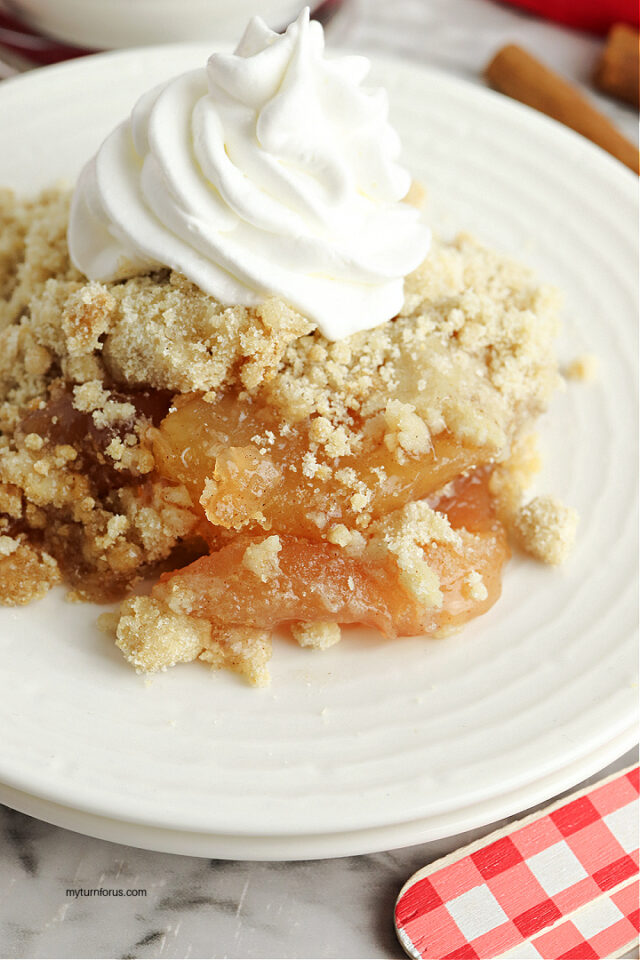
[321, 846]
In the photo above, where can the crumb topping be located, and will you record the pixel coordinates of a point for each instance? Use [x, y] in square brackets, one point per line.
[475, 334]
[472, 319]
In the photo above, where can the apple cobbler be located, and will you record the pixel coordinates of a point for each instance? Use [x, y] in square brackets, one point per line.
[259, 473]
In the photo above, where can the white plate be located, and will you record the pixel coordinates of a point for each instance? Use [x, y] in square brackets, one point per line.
[370, 743]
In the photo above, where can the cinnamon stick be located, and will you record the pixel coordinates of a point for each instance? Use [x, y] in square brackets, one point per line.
[515, 72]
[617, 71]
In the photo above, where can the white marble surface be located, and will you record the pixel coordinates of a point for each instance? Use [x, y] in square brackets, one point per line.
[195, 907]
[202, 908]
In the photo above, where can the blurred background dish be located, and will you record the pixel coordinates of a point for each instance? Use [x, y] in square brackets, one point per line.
[106, 24]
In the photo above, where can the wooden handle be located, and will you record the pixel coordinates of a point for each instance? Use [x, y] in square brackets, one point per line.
[617, 71]
[515, 72]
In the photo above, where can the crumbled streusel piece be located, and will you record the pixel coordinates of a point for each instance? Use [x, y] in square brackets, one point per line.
[8, 546]
[405, 431]
[474, 587]
[546, 529]
[317, 636]
[262, 558]
[244, 650]
[153, 637]
[352, 541]
[26, 574]
[583, 368]
[404, 534]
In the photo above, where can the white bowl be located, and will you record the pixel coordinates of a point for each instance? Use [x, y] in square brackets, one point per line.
[106, 24]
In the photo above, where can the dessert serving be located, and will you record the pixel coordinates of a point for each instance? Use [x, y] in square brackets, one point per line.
[235, 361]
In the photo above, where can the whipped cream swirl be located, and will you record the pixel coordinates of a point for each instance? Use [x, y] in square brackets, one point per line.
[270, 172]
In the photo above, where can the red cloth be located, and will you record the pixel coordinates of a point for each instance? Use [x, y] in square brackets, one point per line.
[595, 16]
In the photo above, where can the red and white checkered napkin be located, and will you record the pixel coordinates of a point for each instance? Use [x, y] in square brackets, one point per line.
[561, 884]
